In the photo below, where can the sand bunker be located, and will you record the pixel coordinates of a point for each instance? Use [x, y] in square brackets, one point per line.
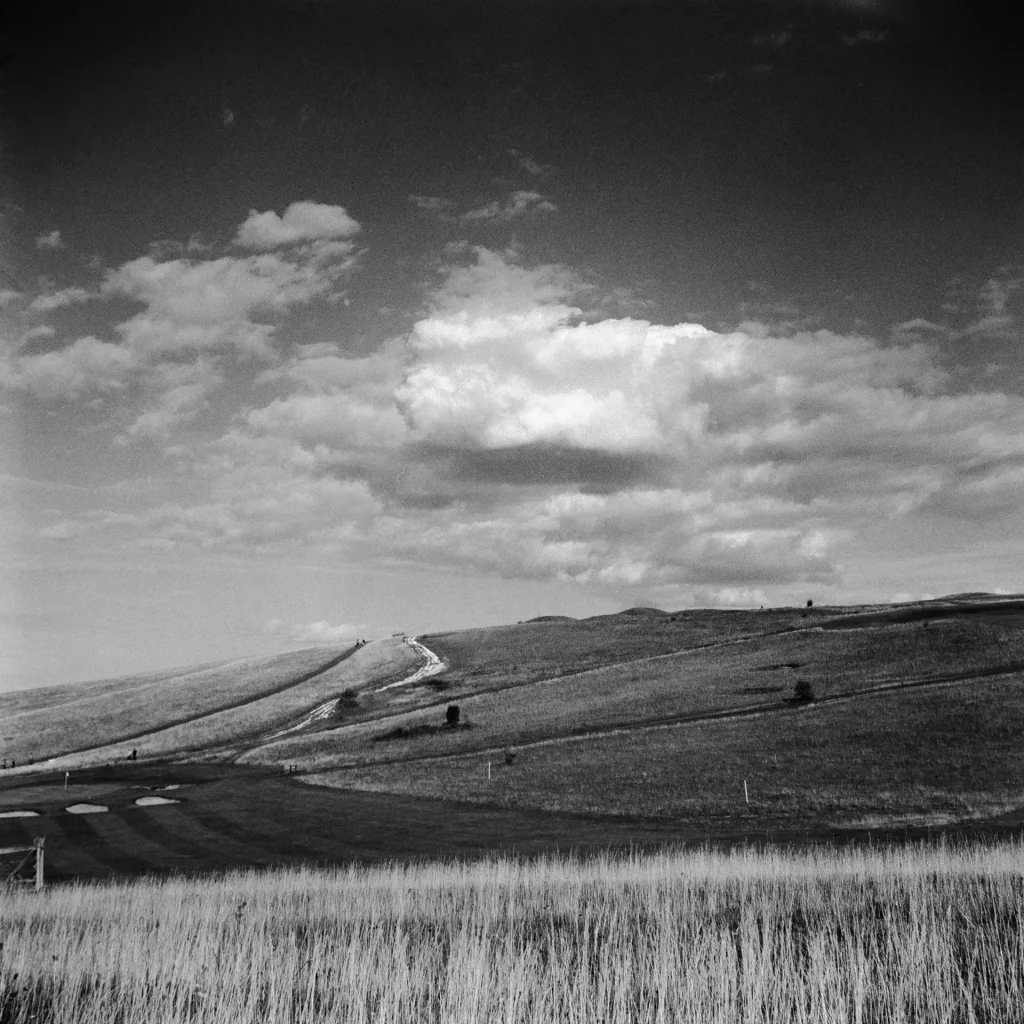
[19, 814]
[149, 801]
[86, 809]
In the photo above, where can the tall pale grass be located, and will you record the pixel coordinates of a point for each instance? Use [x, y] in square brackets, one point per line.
[898, 935]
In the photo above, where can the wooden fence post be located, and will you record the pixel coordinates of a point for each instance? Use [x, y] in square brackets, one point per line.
[40, 853]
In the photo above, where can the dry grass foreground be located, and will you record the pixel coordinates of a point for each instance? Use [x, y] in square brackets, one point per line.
[923, 934]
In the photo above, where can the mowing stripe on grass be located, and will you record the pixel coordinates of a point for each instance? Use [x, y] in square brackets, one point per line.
[119, 833]
[180, 828]
[152, 827]
[14, 833]
[278, 849]
[67, 859]
[81, 834]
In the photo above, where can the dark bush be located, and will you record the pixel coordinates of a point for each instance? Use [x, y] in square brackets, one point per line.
[451, 716]
[803, 691]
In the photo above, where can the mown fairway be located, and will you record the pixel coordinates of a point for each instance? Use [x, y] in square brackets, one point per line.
[228, 817]
[926, 935]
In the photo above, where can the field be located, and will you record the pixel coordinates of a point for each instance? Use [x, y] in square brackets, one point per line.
[263, 696]
[916, 935]
[641, 728]
[926, 756]
[42, 723]
[234, 817]
[759, 672]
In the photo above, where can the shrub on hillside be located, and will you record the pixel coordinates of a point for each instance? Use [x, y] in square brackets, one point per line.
[348, 701]
[451, 716]
[803, 691]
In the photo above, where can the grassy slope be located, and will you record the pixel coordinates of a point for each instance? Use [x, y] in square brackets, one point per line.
[375, 662]
[522, 684]
[941, 753]
[761, 672]
[500, 656]
[71, 719]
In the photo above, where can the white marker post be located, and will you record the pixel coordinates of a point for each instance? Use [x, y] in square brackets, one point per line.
[746, 795]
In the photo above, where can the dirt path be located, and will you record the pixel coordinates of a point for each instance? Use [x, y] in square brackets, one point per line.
[323, 712]
[434, 666]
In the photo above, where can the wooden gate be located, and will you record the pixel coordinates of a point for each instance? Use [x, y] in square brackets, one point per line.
[21, 873]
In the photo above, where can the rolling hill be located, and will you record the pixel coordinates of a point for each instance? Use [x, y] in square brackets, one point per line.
[639, 727]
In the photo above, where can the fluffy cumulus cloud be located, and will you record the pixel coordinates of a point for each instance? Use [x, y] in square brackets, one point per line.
[514, 431]
[198, 314]
[87, 365]
[300, 222]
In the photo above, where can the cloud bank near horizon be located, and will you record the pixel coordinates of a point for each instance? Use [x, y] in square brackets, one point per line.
[515, 430]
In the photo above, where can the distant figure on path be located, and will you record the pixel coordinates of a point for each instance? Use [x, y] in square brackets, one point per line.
[134, 755]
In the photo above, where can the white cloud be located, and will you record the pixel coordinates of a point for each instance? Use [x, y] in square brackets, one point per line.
[50, 301]
[509, 433]
[88, 364]
[216, 292]
[301, 222]
[432, 204]
[321, 632]
[199, 317]
[994, 295]
[51, 240]
[528, 164]
[64, 530]
[180, 392]
[517, 204]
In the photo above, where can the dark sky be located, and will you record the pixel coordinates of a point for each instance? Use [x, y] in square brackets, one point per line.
[700, 146]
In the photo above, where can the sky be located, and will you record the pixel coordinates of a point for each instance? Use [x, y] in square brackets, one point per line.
[322, 321]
